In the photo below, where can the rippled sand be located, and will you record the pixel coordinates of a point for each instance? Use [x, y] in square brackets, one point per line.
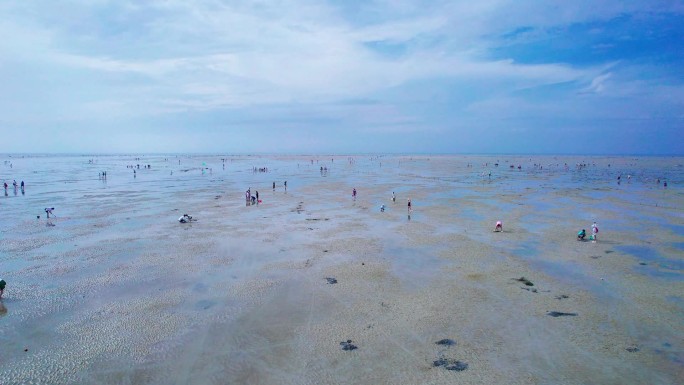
[118, 291]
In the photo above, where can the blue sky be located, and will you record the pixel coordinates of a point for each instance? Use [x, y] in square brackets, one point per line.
[300, 76]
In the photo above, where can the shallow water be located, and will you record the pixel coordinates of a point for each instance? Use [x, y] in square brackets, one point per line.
[655, 264]
[118, 283]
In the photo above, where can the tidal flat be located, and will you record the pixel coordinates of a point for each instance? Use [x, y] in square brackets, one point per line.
[314, 286]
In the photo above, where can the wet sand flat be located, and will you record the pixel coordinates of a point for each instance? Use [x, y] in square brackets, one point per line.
[115, 290]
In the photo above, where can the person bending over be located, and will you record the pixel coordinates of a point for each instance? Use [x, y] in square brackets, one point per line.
[581, 234]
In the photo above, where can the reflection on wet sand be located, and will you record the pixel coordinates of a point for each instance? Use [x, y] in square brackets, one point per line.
[280, 291]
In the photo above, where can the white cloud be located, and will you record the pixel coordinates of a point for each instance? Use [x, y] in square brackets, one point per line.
[597, 84]
[113, 59]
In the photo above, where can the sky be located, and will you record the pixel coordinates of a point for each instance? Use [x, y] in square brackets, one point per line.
[342, 76]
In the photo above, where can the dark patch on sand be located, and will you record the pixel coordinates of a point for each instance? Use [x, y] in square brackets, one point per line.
[450, 364]
[299, 209]
[347, 345]
[561, 314]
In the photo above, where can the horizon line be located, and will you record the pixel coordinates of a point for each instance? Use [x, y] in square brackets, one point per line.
[11, 154]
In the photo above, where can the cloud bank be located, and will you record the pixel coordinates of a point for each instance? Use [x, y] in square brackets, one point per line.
[341, 76]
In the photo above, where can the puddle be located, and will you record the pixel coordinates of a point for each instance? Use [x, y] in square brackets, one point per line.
[656, 264]
[677, 229]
